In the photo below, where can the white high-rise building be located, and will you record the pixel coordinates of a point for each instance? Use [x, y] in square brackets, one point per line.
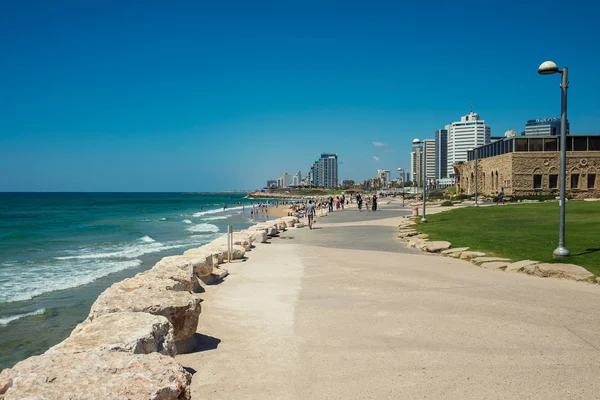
[297, 179]
[468, 133]
[416, 161]
[325, 171]
[429, 157]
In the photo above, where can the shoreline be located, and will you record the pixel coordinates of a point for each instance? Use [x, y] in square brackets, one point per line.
[175, 283]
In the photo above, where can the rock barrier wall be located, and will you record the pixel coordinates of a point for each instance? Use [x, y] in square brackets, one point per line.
[126, 345]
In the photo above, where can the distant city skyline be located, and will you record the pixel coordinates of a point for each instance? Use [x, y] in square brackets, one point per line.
[128, 96]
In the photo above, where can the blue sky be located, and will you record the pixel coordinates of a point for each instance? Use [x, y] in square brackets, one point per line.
[103, 95]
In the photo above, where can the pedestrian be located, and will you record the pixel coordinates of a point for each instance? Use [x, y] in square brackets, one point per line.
[501, 196]
[359, 201]
[330, 204]
[310, 213]
[374, 203]
[343, 200]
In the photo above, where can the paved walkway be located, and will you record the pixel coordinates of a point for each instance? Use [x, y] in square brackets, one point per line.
[348, 312]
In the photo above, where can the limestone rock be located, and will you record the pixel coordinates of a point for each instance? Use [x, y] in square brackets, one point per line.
[200, 264]
[436, 246]
[481, 260]
[219, 273]
[520, 265]
[407, 233]
[182, 309]
[567, 271]
[217, 257]
[422, 236]
[300, 225]
[471, 254]
[96, 375]
[239, 239]
[455, 250]
[186, 280]
[416, 243]
[151, 283]
[132, 332]
[259, 237]
[495, 265]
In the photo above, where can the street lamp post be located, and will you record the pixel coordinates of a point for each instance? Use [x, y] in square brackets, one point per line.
[548, 68]
[402, 187]
[476, 178]
[424, 172]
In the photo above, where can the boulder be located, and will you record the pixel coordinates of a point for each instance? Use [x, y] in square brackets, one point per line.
[422, 236]
[567, 271]
[186, 280]
[436, 246]
[240, 239]
[520, 265]
[96, 375]
[300, 225]
[219, 273]
[131, 332]
[416, 243]
[481, 260]
[290, 221]
[182, 309]
[200, 264]
[259, 236]
[465, 255]
[151, 283]
[455, 250]
[495, 265]
[405, 233]
[217, 256]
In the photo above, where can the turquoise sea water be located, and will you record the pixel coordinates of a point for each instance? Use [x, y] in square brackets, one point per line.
[59, 251]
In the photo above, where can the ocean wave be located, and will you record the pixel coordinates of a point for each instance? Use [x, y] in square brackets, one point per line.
[187, 221]
[204, 228]
[217, 211]
[128, 251]
[162, 219]
[216, 218]
[8, 320]
[73, 274]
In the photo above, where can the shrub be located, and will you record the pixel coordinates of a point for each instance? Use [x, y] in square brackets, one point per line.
[447, 203]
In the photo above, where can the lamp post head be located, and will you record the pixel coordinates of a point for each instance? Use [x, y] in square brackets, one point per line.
[548, 68]
[416, 141]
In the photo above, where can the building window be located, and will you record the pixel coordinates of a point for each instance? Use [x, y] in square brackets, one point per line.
[574, 181]
[580, 143]
[591, 181]
[537, 181]
[553, 181]
[520, 144]
[536, 144]
[551, 144]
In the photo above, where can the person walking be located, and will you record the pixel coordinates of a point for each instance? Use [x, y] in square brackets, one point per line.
[310, 213]
[501, 196]
[359, 201]
[342, 201]
[374, 202]
[330, 204]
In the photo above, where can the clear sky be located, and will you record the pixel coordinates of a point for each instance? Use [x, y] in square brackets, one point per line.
[102, 95]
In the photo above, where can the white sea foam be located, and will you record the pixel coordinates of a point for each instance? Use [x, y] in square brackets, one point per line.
[216, 218]
[72, 274]
[147, 239]
[217, 211]
[204, 228]
[162, 219]
[187, 221]
[129, 251]
[8, 320]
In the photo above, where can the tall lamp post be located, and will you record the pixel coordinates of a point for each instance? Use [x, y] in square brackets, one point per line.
[475, 154]
[402, 187]
[549, 68]
[423, 166]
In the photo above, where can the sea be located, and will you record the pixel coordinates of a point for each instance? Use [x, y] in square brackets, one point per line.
[59, 251]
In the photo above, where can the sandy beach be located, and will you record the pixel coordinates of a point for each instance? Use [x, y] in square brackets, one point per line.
[347, 311]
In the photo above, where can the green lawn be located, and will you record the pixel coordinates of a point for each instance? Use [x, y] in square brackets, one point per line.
[522, 231]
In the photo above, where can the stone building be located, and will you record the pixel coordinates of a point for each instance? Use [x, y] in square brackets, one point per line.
[531, 165]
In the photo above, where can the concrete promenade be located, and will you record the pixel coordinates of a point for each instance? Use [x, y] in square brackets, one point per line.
[346, 311]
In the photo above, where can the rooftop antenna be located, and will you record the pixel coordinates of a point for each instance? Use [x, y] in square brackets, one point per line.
[471, 104]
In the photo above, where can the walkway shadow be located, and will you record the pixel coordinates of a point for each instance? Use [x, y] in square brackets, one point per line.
[202, 343]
